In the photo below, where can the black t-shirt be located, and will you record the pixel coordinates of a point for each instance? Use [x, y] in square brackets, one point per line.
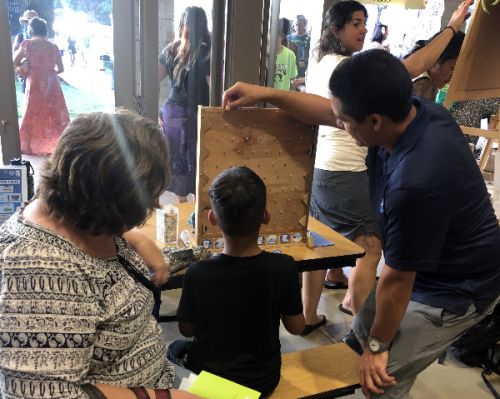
[236, 305]
[435, 213]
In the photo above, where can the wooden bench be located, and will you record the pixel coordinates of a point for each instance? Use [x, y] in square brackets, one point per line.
[328, 371]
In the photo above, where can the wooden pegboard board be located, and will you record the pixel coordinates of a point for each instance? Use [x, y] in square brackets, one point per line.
[279, 148]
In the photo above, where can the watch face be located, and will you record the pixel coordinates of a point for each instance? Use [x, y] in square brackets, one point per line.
[373, 345]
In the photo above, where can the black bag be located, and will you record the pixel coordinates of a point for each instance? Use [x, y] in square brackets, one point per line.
[29, 172]
[480, 347]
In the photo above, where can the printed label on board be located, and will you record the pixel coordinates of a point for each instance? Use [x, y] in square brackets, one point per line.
[272, 239]
[297, 237]
[285, 238]
[219, 243]
[260, 240]
[206, 243]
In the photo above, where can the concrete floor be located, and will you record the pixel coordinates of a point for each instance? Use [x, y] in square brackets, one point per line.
[451, 380]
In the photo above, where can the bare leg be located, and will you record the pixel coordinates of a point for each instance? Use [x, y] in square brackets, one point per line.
[362, 277]
[347, 302]
[312, 287]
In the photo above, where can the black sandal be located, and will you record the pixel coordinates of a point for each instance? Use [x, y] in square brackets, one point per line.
[344, 310]
[309, 328]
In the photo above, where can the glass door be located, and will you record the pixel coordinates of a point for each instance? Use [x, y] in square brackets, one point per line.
[67, 63]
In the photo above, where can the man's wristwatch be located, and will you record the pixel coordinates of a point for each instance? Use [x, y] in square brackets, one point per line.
[376, 346]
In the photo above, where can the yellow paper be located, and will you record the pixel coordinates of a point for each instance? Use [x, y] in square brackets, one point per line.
[211, 386]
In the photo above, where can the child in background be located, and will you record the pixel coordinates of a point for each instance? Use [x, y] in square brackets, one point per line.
[232, 303]
[286, 61]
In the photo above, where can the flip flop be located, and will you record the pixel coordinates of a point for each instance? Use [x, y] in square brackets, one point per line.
[334, 285]
[344, 310]
[309, 328]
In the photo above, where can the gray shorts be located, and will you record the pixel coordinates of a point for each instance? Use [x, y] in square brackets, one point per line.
[341, 200]
[423, 335]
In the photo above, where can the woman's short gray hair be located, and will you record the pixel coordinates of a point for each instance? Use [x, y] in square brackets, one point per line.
[107, 172]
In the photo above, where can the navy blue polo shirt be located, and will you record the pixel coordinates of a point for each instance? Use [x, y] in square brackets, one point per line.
[435, 213]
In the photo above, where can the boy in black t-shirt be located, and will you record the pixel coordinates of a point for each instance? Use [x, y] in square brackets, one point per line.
[232, 303]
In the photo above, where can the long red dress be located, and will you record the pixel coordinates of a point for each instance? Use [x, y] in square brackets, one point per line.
[46, 114]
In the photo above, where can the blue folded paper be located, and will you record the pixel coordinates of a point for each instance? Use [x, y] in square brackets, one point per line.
[320, 241]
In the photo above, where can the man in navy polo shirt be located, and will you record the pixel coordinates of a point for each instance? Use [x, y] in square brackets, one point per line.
[440, 236]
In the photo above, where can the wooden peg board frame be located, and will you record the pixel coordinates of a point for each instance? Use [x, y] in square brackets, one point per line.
[279, 148]
[476, 73]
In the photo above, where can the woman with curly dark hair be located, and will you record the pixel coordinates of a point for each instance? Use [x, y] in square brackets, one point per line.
[340, 194]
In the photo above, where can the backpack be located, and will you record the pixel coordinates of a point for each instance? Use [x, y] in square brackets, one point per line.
[480, 347]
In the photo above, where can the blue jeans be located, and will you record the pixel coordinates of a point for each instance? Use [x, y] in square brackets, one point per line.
[177, 354]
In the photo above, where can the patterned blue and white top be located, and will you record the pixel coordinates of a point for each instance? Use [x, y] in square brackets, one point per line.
[68, 319]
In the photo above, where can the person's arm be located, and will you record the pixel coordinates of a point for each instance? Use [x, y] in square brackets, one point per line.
[17, 42]
[297, 82]
[294, 71]
[423, 59]
[291, 309]
[393, 293]
[409, 215]
[186, 311]
[18, 56]
[114, 392]
[162, 72]
[59, 62]
[150, 253]
[186, 329]
[294, 324]
[306, 107]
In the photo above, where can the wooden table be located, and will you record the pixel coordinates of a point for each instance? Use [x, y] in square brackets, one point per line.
[343, 253]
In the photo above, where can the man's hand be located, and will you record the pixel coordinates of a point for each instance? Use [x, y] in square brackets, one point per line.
[460, 15]
[373, 372]
[243, 94]
[296, 83]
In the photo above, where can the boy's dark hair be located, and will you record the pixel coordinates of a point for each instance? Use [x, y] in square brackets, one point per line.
[238, 199]
[372, 82]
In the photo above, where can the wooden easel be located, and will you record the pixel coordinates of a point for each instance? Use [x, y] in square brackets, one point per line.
[476, 76]
[488, 147]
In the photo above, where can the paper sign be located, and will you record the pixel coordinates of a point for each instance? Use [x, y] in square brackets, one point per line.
[13, 190]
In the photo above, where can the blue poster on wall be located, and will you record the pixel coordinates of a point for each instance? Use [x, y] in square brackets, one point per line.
[13, 190]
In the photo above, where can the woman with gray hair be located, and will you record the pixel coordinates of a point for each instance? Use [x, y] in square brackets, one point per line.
[76, 298]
